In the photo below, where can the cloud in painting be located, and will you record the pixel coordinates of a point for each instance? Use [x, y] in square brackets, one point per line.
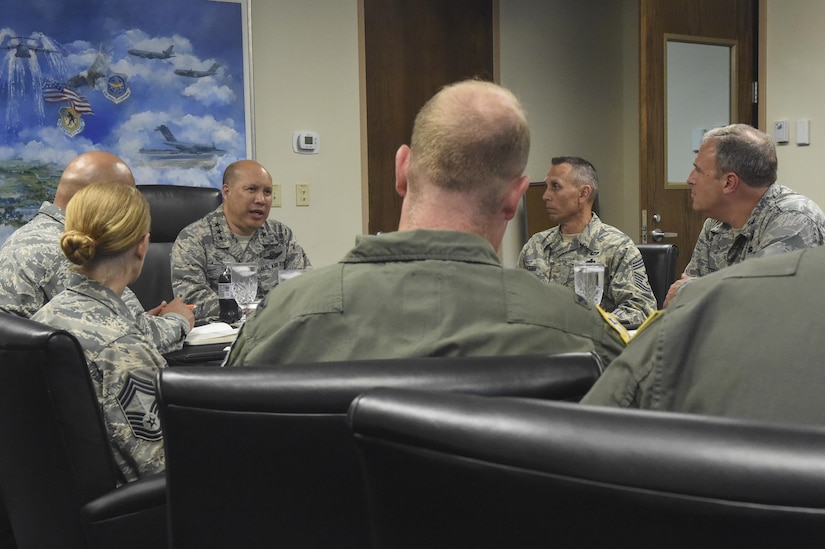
[92, 39]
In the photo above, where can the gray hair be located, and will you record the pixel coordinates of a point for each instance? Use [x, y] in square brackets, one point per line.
[745, 151]
[584, 173]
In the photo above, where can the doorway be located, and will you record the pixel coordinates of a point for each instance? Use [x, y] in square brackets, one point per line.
[667, 207]
[411, 50]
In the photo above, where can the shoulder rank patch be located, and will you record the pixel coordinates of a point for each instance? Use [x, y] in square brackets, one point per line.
[615, 324]
[138, 401]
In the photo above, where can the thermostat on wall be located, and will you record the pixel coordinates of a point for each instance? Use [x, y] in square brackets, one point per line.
[304, 142]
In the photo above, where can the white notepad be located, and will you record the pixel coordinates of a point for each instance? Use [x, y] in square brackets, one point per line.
[216, 332]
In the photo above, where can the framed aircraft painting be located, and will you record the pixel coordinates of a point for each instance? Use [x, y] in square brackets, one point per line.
[165, 85]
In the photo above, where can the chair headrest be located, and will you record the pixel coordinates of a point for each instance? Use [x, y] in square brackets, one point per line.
[173, 207]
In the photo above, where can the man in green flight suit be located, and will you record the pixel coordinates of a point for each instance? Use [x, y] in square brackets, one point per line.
[437, 286]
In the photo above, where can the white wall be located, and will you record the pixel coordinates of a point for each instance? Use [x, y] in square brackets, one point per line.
[573, 64]
[305, 71]
[795, 89]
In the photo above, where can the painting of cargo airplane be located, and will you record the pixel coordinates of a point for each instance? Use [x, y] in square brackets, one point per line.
[24, 46]
[181, 155]
[192, 73]
[165, 54]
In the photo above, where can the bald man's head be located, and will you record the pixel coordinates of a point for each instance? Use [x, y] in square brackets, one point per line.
[88, 168]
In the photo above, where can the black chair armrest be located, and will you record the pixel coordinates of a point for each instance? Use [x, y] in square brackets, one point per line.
[138, 508]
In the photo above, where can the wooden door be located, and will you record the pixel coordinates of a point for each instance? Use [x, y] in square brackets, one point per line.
[704, 19]
[411, 50]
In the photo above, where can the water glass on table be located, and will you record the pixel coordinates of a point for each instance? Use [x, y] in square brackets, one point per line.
[286, 274]
[244, 286]
[588, 281]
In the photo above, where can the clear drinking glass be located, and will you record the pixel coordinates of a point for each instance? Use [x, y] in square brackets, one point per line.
[588, 281]
[244, 286]
[286, 274]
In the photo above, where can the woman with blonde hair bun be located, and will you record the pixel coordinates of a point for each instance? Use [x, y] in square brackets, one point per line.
[106, 238]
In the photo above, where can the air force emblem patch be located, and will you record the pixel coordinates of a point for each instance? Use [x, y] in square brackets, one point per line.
[138, 401]
[116, 89]
[70, 121]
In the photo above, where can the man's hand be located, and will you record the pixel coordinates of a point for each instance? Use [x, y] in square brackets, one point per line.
[674, 288]
[178, 306]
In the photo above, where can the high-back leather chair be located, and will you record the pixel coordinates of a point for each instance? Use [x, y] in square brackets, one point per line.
[448, 470]
[173, 207]
[263, 457]
[58, 479]
[660, 262]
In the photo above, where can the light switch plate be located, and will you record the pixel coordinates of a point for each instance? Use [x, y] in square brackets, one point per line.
[302, 194]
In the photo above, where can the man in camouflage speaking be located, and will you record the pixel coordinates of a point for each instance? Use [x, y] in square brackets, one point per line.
[750, 215]
[580, 236]
[238, 231]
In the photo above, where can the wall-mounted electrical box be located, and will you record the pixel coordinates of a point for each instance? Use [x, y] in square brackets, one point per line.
[780, 131]
[803, 132]
[305, 142]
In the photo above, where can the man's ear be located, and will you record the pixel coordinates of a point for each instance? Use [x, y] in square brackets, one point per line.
[224, 190]
[402, 164]
[512, 196]
[585, 192]
[732, 182]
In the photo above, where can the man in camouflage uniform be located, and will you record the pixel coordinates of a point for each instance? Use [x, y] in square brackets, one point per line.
[750, 215]
[33, 269]
[238, 231]
[123, 365]
[580, 236]
[435, 287]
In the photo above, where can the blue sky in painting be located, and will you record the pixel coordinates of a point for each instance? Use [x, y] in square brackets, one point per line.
[207, 110]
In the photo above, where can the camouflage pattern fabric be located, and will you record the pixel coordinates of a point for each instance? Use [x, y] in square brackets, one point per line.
[123, 364]
[782, 221]
[202, 249]
[419, 293]
[33, 270]
[627, 294]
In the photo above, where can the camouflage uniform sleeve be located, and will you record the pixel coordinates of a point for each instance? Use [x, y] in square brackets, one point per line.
[629, 288]
[790, 230]
[522, 255]
[26, 283]
[129, 367]
[167, 332]
[527, 257]
[701, 251]
[295, 258]
[189, 276]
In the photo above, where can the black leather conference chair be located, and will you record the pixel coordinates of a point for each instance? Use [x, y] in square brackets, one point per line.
[173, 207]
[263, 457]
[448, 470]
[660, 263]
[58, 479]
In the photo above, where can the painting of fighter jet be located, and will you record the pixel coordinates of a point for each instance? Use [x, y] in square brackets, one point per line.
[165, 54]
[182, 155]
[192, 73]
[24, 46]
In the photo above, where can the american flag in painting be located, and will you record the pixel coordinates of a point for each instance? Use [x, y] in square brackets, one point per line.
[55, 92]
